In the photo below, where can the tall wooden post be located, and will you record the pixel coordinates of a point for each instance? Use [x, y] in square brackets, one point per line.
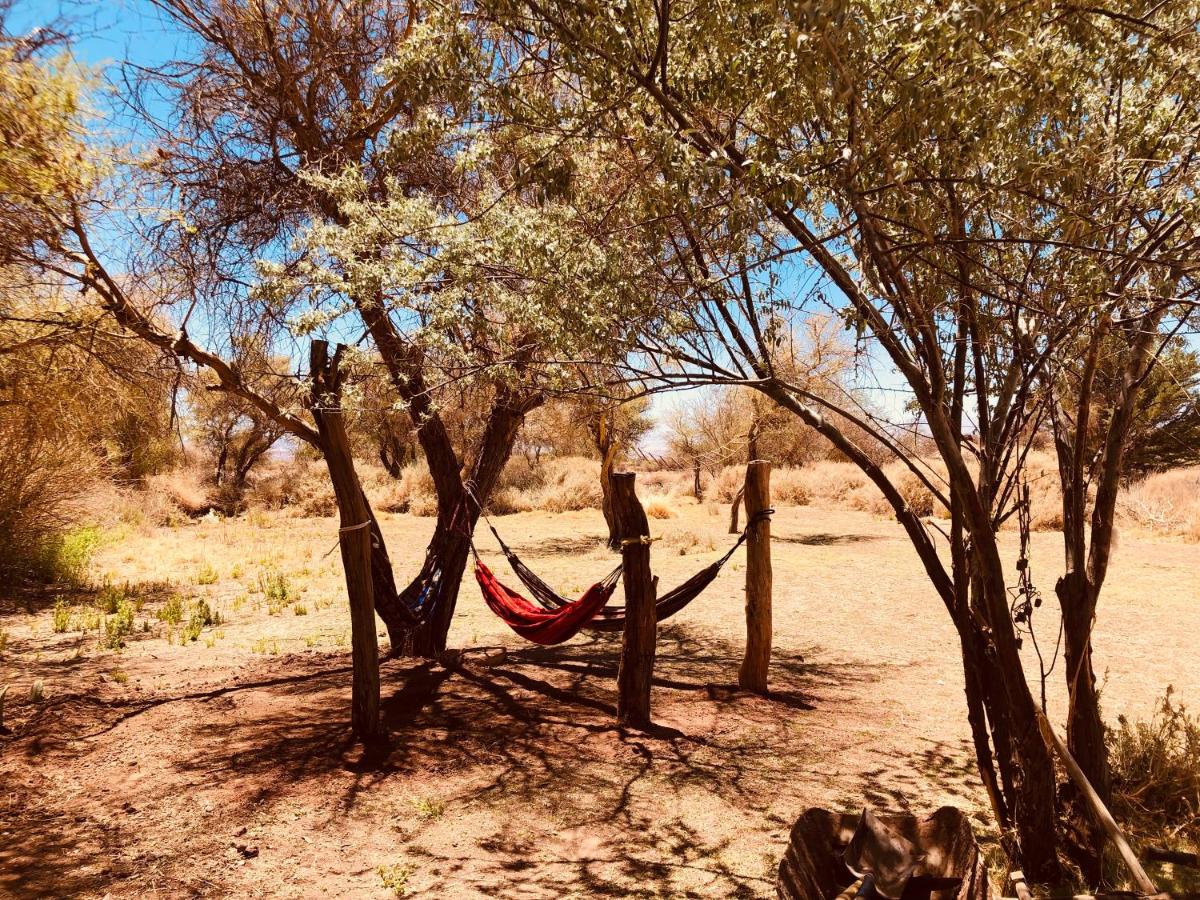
[753, 674]
[354, 538]
[641, 622]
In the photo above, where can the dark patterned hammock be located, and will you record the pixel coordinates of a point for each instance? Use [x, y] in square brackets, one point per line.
[612, 618]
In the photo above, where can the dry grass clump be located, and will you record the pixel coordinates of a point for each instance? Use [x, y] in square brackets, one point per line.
[685, 541]
[571, 483]
[300, 485]
[789, 487]
[1166, 501]
[1156, 773]
[658, 508]
[411, 493]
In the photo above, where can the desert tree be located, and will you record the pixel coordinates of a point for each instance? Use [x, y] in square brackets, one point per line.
[366, 192]
[922, 171]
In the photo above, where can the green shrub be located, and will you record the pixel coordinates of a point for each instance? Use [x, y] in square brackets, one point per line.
[64, 558]
[207, 575]
[118, 626]
[110, 597]
[171, 611]
[202, 615]
[276, 588]
[1156, 772]
[62, 616]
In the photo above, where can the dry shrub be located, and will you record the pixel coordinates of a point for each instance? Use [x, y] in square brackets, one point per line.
[298, 485]
[666, 483]
[1166, 501]
[657, 508]
[42, 483]
[685, 541]
[571, 483]
[1156, 772]
[789, 487]
[831, 481]
[182, 489]
[728, 482]
[412, 493]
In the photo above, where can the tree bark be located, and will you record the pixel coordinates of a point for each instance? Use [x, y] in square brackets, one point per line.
[752, 676]
[354, 538]
[641, 624]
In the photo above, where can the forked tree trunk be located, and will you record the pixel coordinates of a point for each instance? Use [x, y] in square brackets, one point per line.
[459, 509]
[354, 538]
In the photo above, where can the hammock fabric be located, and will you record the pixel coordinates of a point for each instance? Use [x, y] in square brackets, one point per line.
[535, 623]
[613, 618]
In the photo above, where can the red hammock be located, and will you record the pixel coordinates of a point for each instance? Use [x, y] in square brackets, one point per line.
[534, 623]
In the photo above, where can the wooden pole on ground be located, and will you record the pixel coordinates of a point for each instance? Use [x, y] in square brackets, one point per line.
[753, 674]
[641, 623]
[1145, 885]
[354, 538]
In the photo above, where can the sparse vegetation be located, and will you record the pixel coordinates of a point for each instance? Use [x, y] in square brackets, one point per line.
[62, 615]
[171, 611]
[1156, 772]
[119, 625]
[395, 878]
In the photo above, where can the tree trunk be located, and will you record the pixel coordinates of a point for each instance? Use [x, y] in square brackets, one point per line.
[458, 512]
[757, 660]
[641, 624]
[607, 448]
[354, 537]
[1085, 725]
[697, 488]
[733, 509]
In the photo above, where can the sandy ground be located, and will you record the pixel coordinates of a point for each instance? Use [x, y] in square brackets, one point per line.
[224, 768]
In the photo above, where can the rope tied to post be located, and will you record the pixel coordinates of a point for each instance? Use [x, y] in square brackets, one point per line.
[640, 539]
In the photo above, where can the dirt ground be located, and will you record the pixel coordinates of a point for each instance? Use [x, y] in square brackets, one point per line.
[223, 767]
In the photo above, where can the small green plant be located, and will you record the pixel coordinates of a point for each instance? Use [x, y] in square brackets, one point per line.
[111, 597]
[236, 571]
[428, 808]
[62, 615]
[395, 878]
[89, 619]
[261, 646]
[239, 601]
[311, 640]
[277, 590]
[202, 615]
[300, 609]
[119, 676]
[207, 575]
[172, 611]
[118, 626]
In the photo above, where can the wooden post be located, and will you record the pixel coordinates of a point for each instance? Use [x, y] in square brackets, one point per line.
[641, 622]
[753, 674]
[354, 538]
[1099, 810]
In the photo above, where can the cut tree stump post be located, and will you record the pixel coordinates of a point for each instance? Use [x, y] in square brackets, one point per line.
[641, 622]
[354, 538]
[753, 674]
